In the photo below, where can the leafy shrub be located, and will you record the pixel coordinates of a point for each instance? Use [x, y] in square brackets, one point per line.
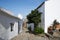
[38, 30]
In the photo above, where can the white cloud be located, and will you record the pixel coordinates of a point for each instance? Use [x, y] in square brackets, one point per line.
[20, 16]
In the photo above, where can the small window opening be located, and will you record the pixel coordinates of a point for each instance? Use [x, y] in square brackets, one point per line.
[12, 24]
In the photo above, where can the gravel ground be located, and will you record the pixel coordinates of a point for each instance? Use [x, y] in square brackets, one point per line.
[28, 36]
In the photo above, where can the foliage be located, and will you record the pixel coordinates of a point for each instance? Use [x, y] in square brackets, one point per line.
[34, 17]
[38, 30]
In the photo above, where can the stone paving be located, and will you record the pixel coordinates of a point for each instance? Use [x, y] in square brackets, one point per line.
[28, 36]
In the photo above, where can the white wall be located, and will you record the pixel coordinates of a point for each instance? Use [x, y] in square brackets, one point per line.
[31, 25]
[20, 26]
[5, 27]
[41, 9]
[52, 12]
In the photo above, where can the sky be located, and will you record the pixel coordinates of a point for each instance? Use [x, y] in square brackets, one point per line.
[20, 7]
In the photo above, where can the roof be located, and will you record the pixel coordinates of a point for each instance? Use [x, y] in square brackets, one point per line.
[8, 13]
[40, 5]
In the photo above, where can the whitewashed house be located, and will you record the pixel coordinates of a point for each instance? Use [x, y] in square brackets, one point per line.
[9, 25]
[50, 11]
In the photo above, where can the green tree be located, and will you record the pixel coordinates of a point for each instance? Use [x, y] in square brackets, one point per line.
[34, 17]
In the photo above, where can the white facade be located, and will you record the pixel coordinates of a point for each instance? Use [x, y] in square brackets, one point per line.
[5, 26]
[41, 9]
[31, 25]
[52, 12]
[20, 24]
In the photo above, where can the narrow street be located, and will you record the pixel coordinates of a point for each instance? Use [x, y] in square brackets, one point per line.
[28, 36]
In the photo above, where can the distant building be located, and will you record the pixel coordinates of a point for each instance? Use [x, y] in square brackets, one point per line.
[9, 25]
[25, 23]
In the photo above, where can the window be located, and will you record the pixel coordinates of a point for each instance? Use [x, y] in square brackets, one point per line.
[12, 24]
